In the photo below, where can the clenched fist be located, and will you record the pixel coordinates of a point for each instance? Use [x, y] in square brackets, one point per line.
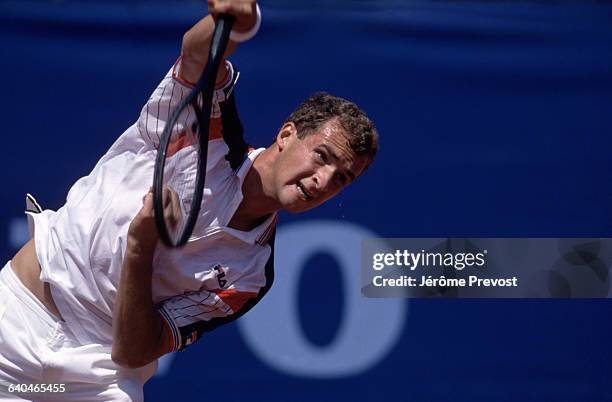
[243, 10]
[142, 233]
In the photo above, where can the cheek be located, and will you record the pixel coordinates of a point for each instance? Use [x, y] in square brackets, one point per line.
[297, 169]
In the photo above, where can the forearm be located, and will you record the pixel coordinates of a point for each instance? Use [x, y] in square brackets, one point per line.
[194, 51]
[137, 327]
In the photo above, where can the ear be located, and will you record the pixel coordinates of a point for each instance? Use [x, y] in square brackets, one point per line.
[285, 135]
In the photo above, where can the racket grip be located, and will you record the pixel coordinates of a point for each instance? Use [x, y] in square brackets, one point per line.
[220, 39]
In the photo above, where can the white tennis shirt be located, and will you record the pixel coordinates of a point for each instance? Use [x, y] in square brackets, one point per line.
[216, 277]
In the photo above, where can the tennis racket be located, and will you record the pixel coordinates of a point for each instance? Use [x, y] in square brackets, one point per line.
[180, 166]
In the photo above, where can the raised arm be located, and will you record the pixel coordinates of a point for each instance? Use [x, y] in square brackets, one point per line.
[140, 334]
[196, 41]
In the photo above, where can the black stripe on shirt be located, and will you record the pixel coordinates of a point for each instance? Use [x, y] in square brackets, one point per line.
[201, 327]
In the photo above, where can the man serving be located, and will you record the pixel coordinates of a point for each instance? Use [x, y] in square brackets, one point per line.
[94, 299]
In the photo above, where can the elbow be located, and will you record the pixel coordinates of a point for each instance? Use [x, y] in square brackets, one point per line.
[186, 46]
[130, 361]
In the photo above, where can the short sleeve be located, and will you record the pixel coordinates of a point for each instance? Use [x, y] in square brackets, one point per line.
[189, 316]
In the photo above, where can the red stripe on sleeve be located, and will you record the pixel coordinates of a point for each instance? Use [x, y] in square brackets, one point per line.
[183, 140]
[170, 346]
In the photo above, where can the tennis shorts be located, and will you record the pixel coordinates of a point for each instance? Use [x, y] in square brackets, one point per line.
[40, 355]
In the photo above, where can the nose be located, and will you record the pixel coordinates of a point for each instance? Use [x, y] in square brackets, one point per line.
[323, 179]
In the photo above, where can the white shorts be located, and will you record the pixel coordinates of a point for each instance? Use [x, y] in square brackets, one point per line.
[36, 348]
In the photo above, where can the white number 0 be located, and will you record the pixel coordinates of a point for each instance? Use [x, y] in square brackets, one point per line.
[369, 327]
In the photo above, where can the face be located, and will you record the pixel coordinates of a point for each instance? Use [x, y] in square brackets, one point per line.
[311, 170]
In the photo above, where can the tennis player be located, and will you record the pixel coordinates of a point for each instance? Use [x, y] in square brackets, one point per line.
[89, 305]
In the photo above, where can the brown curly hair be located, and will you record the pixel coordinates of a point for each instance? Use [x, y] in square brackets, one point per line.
[321, 107]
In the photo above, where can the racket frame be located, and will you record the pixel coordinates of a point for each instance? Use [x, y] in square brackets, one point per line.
[205, 87]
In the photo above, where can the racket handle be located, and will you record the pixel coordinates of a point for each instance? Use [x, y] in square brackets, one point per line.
[220, 38]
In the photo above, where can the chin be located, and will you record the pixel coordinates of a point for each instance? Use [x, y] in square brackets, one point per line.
[295, 208]
[298, 207]
[294, 204]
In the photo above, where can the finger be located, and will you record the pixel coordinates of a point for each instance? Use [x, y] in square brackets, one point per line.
[176, 211]
[174, 196]
[166, 197]
[147, 203]
[171, 207]
[211, 9]
[218, 6]
[176, 208]
[167, 204]
[148, 192]
[148, 199]
[246, 8]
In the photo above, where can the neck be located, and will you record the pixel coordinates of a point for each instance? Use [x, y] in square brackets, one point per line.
[257, 203]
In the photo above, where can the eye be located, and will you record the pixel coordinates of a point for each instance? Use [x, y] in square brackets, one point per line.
[321, 156]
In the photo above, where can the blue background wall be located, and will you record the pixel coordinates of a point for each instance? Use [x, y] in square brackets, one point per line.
[495, 121]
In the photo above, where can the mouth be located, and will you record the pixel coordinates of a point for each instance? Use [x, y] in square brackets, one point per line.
[303, 192]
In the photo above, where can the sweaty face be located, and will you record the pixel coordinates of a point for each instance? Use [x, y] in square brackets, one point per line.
[311, 170]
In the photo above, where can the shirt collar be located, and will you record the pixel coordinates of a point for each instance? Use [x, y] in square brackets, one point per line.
[261, 233]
